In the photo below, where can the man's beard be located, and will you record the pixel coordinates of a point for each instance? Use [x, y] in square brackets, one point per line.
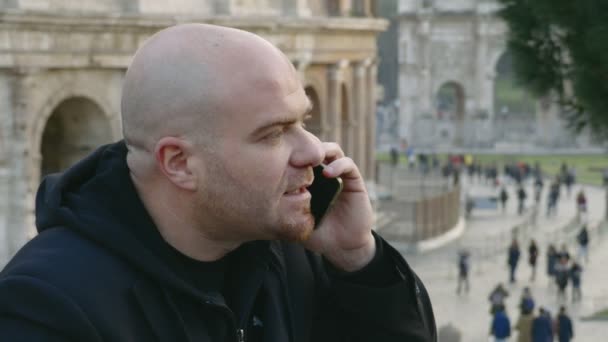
[297, 231]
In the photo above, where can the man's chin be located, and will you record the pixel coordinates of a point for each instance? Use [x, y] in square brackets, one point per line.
[297, 232]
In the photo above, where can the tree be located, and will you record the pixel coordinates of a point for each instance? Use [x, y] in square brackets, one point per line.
[560, 50]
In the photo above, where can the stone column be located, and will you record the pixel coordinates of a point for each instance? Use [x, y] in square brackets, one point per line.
[427, 98]
[17, 225]
[345, 7]
[359, 112]
[481, 90]
[334, 100]
[6, 128]
[370, 166]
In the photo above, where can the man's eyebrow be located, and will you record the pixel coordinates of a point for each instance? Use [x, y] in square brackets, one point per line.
[284, 121]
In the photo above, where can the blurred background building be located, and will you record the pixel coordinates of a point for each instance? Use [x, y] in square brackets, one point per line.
[62, 64]
[448, 83]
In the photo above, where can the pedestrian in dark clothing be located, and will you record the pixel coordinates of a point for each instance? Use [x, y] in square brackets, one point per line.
[553, 199]
[576, 272]
[562, 274]
[197, 226]
[583, 244]
[569, 181]
[538, 189]
[542, 327]
[504, 197]
[394, 153]
[565, 331]
[501, 326]
[552, 259]
[521, 199]
[581, 206]
[497, 298]
[532, 257]
[526, 304]
[463, 271]
[513, 259]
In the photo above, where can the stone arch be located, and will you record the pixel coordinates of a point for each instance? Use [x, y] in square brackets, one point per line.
[75, 127]
[314, 124]
[450, 102]
[53, 100]
[43, 113]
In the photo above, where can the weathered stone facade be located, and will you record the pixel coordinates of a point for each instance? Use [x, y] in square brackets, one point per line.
[62, 63]
[458, 43]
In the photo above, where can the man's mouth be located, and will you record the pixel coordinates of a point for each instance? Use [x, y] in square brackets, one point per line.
[303, 188]
[297, 191]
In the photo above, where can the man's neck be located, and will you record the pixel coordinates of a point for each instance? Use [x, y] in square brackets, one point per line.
[178, 230]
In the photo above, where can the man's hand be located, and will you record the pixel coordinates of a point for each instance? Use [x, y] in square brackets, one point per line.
[345, 235]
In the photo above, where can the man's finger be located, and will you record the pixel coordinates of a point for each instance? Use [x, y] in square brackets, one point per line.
[343, 167]
[333, 151]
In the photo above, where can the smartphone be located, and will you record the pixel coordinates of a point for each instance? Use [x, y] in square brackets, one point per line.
[324, 192]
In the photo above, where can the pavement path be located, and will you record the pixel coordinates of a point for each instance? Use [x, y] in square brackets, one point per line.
[487, 235]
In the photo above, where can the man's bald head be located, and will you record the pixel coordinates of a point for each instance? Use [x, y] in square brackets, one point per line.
[185, 77]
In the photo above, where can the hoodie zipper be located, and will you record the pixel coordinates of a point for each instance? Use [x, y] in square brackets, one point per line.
[240, 335]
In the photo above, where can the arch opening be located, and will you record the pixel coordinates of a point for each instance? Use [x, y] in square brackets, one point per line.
[73, 130]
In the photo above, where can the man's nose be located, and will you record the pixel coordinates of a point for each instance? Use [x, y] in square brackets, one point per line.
[308, 151]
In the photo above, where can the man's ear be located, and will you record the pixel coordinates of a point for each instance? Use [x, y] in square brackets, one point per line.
[173, 156]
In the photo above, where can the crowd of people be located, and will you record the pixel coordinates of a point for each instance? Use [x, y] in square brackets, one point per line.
[535, 323]
[532, 325]
[563, 270]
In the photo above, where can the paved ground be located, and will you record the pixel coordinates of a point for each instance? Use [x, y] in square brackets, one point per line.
[487, 235]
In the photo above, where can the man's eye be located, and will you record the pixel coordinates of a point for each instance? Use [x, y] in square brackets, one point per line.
[274, 135]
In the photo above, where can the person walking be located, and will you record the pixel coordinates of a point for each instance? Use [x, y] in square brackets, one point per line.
[394, 155]
[521, 199]
[581, 206]
[583, 244]
[552, 258]
[532, 258]
[463, 271]
[564, 328]
[501, 325]
[497, 298]
[542, 327]
[524, 327]
[526, 303]
[576, 272]
[538, 188]
[513, 259]
[553, 197]
[562, 274]
[504, 197]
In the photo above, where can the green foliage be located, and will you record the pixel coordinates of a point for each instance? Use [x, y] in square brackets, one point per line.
[560, 48]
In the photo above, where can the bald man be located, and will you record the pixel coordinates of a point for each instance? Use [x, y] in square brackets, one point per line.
[197, 226]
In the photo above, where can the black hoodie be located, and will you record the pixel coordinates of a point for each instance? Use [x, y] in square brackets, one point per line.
[100, 271]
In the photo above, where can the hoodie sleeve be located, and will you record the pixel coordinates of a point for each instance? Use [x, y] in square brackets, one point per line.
[385, 301]
[33, 310]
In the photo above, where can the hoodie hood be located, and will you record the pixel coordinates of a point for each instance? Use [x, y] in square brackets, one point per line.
[97, 199]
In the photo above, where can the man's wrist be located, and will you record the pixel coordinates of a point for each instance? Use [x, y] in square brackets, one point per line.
[355, 259]
[381, 271]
